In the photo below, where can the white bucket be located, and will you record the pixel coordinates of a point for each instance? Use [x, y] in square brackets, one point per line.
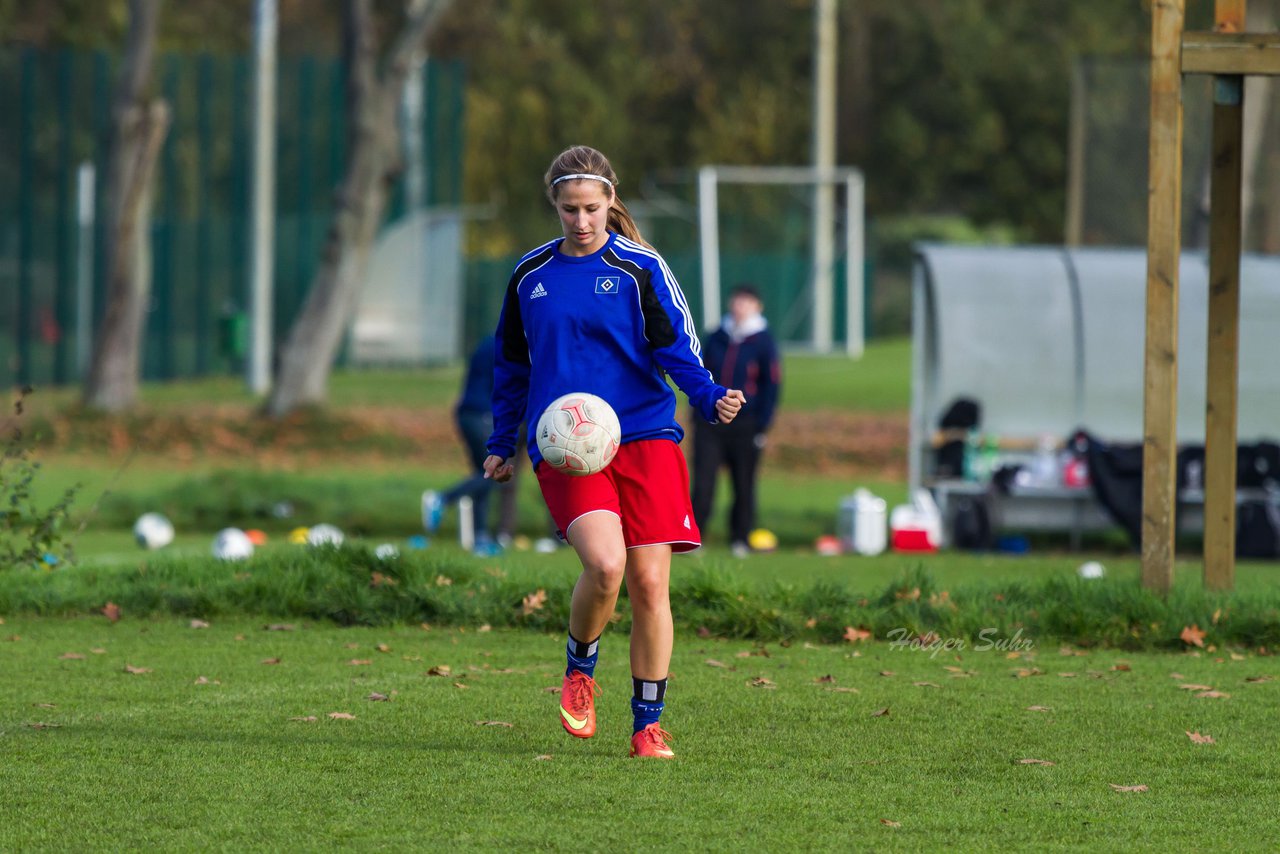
[862, 523]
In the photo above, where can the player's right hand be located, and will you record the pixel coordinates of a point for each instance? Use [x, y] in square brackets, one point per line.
[499, 469]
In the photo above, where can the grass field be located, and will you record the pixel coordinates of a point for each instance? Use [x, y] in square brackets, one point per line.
[203, 750]
[780, 746]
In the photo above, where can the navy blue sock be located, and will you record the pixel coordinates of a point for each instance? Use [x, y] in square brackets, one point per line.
[647, 702]
[582, 656]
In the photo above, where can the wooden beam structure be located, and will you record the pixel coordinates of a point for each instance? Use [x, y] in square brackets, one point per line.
[1223, 344]
[1164, 248]
[1229, 54]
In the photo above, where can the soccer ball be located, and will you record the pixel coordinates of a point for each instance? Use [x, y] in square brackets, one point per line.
[324, 535]
[579, 434]
[1091, 569]
[232, 544]
[153, 531]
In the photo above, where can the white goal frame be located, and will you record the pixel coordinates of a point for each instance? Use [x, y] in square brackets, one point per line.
[709, 180]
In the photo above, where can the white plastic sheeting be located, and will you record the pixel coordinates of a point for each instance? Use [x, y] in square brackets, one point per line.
[1049, 339]
[410, 309]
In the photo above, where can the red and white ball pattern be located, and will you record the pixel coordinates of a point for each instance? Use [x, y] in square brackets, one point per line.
[579, 434]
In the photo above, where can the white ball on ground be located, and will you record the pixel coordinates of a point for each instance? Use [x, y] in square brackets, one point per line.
[386, 551]
[1091, 569]
[153, 531]
[232, 544]
[324, 535]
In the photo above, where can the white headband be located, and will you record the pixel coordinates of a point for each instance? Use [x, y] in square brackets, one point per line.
[577, 175]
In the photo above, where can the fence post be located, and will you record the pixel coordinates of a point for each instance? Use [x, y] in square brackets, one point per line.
[26, 211]
[62, 231]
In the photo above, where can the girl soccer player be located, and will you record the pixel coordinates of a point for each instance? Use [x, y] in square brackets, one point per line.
[599, 311]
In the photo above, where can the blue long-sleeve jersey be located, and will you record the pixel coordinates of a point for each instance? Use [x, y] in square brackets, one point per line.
[610, 323]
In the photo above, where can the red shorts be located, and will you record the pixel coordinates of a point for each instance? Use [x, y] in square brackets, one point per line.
[646, 487]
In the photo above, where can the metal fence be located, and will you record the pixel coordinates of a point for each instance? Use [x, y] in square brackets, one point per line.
[57, 112]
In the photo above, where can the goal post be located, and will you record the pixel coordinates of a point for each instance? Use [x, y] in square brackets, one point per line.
[820, 282]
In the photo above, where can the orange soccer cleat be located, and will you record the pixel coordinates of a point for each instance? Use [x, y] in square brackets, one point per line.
[578, 704]
[652, 742]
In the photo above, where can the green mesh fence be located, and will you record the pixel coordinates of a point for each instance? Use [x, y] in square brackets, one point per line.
[57, 116]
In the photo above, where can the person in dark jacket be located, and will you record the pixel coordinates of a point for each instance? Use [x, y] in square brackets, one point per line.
[740, 354]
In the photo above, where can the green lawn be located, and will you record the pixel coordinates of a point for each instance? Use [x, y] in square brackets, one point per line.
[97, 757]
[879, 381]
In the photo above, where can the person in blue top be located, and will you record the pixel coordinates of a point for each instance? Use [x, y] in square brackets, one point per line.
[599, 311]
[474, 416]
[741, 353]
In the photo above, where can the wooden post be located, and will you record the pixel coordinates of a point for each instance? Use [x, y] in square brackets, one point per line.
[1224, 316]
[1164, 243]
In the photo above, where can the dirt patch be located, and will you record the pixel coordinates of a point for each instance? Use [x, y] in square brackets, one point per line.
[839, 443]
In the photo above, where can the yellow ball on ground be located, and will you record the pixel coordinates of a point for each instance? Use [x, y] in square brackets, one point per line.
[762, 540]
[298, 536]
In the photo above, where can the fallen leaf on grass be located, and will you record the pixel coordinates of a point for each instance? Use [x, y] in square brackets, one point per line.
[1214, 695]
[761, 682]
[440, 670]
[378, 698]
[1177, 676]
[358, 662]
[854, 635]
[1026, 672]
[1187, 686]
[279, 627]
[71, 656]
[1121, 667]
[204, 680]
[382, 647]
[840, 690]
[1197, 738]
[377, 579]
[1067, 675]
[199, 624]
[310, 719]
[98, 651]
[887, 673]
[111, 611]
[484, 627]
[926, 685]
[1193, 635]
[465, 687]
[14, 638]
[711, 662]
[1035, 762]
[270, 661]
[551, 689]
[341, 716]
[824, 679]
[542, 757]
[495, 723]
[1116, 788]
[881, 713]
[1039, 708]
[129, 668]
[1257, 679]
[1067, 650]
[887, 823]
[44, 705]
[533, 602]
[44, 725]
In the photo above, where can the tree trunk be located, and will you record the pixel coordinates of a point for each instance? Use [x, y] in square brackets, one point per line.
[306, 359]
[137, 134]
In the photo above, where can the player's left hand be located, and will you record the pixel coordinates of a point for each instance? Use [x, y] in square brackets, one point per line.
[727, 407]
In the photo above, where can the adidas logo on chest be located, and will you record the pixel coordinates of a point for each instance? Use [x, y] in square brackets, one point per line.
[538, 291]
